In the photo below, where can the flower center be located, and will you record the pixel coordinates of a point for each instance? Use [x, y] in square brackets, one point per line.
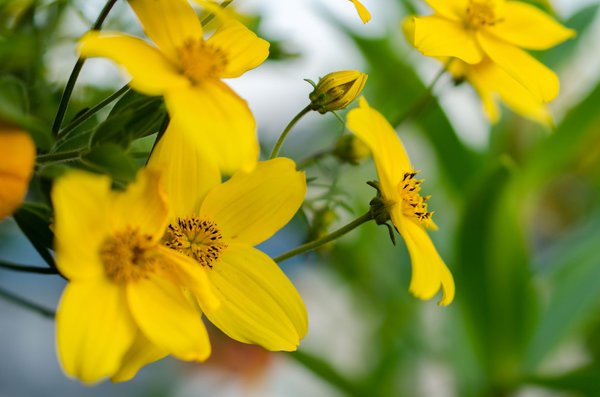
[198, 238]
[128, 256]
[200, 60]
[481, 13]
[413, 205]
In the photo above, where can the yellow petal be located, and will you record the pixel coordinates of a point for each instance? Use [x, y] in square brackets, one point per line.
[220, 123]
[168, 23]
[141, 353]
[259, 304]
[81, 204]
[251, 207]
[242, 48]
[17, 152]
[535, 76]
[363, 13]
[440, 37]
[186, 175]
[429, 272]
[529, 27]
[168, 318]
[143, 205]
[451, 9]
[93, 329]
[151, 72]
[386, 147]
[408, 28]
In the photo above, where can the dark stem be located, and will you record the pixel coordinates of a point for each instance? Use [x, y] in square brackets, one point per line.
[60, 157]
[27, 269]
[17, 300]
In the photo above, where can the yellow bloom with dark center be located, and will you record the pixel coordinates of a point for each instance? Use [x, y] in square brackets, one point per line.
[218, 224]
[363, 13]
[128, 299]
[187, 69]
[473, 30]
[17, 157]
[402, 197]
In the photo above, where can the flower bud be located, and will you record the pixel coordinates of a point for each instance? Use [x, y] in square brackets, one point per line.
[350, 149]
[337, 90]
[17, 157]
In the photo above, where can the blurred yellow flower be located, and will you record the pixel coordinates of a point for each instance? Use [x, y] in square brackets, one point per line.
[187, 70]
[473, 30]
[336, 90]
[406, 207]
[218, 226]
[363, 13]
[127, 302]
[17, 157]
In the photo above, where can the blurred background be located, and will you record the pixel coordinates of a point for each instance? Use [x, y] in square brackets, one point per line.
[518, 207]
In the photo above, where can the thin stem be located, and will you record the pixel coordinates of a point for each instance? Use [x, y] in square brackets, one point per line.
[211, 16]
[314, 158]
[426, 98]
[66, 97]
[9, 296]
[90, 112]
[27, 269]
[287, 130]
[60, 157]
[325, 239]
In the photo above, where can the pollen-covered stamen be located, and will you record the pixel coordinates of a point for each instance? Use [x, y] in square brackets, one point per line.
[413, 204]
[481, 13]
[200, 61]
[198, 238]
[128, 256]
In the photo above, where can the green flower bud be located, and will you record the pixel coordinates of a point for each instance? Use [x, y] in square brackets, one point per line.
[350, 149]
[337, 90]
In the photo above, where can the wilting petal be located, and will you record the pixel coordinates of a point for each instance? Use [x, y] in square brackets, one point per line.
[451, 9]
[259, 304]
[168, 23]
[80, 222]
[440, 37]
[219, 122]
[251, 207]
[141, 353]
[363, 13]
[527, 26]
[535, 76]
[168, 318]
[93, 329]
[151, 72]
[242, 48]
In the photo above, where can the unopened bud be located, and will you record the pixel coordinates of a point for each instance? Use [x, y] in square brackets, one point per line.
[350, 149]
[337, 90]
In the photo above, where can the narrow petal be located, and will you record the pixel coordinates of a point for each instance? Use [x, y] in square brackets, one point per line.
[529, 27]
[17, 151]
[251, 207]
[363, 13]
[168, 23]
[451, 9]
[151, 72]
[429, 272]
[440, 37]
[186, 175]
[141, 353]
[219, 122]
[259, 304]
[81, 202]
[143, 205]
[535, 76]
[168, 318]
[93, 329]
[243, 49]
[386, 147]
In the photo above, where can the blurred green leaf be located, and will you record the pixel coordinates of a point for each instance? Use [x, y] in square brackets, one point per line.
[34, 221]
[583, 380]
[113, 160]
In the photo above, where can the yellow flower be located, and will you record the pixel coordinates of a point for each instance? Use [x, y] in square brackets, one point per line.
[406, 207]
[473, 30]
[363, 13]
[187, 70]
[17, 152]
[337, 90]
[127, 301]
[218, 224]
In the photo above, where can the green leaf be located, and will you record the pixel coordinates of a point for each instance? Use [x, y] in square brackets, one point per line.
[113, 160]
[34, 221]
[581, 380]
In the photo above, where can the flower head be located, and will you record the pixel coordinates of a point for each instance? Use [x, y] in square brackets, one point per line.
[473, 30]
[406, 206]
[187, 69]
[17, 152]
[337, 90]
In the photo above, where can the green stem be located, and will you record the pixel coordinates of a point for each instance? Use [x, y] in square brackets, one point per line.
[211, 16]
[325, 239]
[27, 269]
[426, 98]
[9, 296]
[90, 112]
[314, 158]
[287, 130]
[60, 157]
[66, 97]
